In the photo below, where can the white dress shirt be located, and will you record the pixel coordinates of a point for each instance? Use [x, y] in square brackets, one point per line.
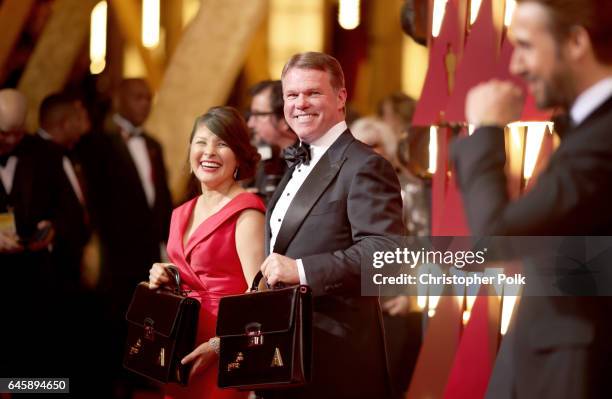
[68, 169]
[590, 99]
[7, 173]
[140, 155]
[300, 173]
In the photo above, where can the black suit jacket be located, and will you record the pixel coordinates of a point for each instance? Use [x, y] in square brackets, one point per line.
[29, 276]
[130, 231]
[571, 197]
[40, 189]
[349, 204]
[268, 174]
[72, 227]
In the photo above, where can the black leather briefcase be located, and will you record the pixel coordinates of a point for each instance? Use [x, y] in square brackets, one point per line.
[266, 338]
[162, 327]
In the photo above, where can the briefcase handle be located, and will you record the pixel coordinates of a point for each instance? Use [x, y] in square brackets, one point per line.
[258, 278]
[175, 276]
[256, 281]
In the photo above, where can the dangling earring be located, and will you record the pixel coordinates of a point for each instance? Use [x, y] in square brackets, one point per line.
[236, 174]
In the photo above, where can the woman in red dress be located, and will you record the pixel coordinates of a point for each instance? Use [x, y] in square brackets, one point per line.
[216, 239]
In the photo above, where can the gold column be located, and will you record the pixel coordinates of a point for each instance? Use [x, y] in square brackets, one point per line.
[415, 60]
[295, 26]
[129, 18]
[172, 21]
[256, 63]
[13, 15]
[385, 51]
[201, 74]
[58, 47]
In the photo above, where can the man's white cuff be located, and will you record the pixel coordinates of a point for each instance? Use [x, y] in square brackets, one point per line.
[301, 272]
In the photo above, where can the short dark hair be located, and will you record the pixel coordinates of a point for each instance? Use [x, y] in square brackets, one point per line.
[276, 95]
[318, 61]
[402, 104]
[54, 108]
[593, 15]
[229, 125]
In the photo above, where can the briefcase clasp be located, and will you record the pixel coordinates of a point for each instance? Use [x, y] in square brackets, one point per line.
[149, 331]
[253, 331]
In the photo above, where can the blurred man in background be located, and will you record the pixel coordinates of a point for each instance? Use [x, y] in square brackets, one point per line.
[31, 205]
[272, 134]
[61, 125]
[559, 346]
[130, 207]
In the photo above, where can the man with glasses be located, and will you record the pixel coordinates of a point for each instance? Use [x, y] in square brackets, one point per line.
[272, 134]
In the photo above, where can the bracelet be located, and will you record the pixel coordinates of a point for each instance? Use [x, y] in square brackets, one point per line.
[214, 344]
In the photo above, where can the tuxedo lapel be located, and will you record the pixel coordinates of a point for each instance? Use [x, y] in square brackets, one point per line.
[154, 160]
[277, 193]
[4, 201]
[122, 152]
[315, 184]
[22, 184]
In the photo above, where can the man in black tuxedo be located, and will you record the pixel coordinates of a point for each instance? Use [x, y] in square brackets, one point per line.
[61, 127]
[31, 206]
[129, 201]
[30, 178]
[62, 122]
[338, 200]
[559, 346]
[129, 196]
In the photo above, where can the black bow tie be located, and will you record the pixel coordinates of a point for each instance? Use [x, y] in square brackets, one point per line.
[297, 154]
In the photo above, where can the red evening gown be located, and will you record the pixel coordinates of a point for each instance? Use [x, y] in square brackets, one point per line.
[209, 265]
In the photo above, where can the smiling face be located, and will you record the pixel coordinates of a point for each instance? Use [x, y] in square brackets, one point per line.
[539, 59]
[211, 159]
[312, 106]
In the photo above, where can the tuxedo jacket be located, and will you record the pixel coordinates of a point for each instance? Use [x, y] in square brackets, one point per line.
[571, 197]
[130, 231]
[32, 197]
[268, 174]
[29, 277]
[349, 205]
[35, 196]
[72, 224]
